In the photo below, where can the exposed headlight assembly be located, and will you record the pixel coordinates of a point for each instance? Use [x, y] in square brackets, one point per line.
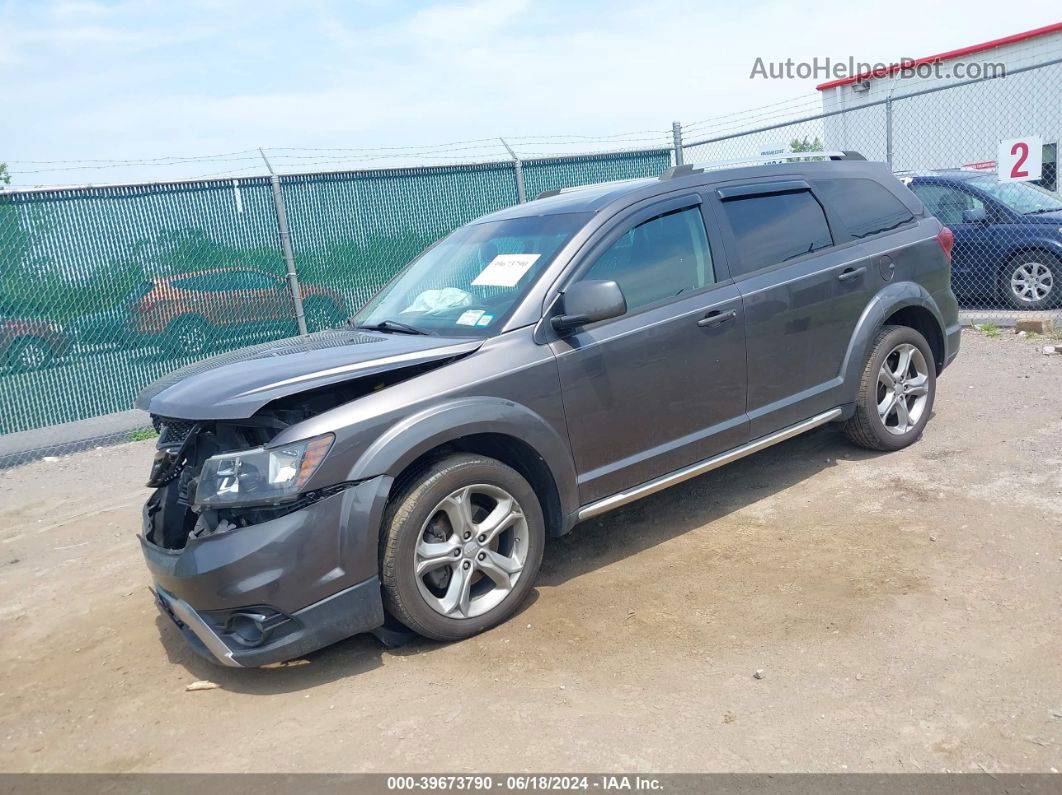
[262, 476]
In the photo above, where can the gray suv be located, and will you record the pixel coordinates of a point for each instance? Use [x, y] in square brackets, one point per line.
[537, 367]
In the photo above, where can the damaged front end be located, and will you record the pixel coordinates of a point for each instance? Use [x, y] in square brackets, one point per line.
[300, 573]
[215, 471]
[215, 477]
[253, 559]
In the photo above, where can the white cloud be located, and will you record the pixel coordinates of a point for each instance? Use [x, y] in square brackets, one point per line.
[80, 10]
[231, 76]
[466, 21]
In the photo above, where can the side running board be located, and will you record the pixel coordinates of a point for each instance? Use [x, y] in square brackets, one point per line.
[693, 470]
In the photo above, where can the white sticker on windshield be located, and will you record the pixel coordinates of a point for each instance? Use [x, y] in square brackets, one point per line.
[505, 270]
[470, 318]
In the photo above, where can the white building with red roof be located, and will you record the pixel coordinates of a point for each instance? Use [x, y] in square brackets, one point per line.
[952, 109]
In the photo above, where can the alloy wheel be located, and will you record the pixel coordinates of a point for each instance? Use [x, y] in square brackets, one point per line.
[32, 355]
[903, 388]
[471, 551]
[1031, 282]
[192, 338]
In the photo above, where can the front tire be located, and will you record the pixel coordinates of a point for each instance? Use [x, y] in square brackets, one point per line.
[1031, 281]
[188, 335]
[896, 391]
[461, 547]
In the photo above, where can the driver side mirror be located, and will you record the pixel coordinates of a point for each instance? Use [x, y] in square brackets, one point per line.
[977, 215]
[588, 302]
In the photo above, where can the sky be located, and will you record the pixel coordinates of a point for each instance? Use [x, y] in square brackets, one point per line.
[328, 84]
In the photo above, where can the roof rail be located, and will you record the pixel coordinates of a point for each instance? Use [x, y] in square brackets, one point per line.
[695, 168]
[571, 189]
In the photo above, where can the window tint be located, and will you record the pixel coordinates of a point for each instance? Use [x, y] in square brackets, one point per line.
[865, 206]
[776, 227]
[658, 259]
[947, 204]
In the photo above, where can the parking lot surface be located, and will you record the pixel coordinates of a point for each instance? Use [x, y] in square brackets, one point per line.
[902, 612]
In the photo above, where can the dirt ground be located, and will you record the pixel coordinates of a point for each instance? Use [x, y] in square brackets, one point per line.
[904, 610]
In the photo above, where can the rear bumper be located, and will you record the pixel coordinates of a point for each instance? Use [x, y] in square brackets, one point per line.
[952, 341]
[349, 612]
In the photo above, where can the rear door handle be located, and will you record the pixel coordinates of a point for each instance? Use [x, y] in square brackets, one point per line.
[851, 273]
[716, 318]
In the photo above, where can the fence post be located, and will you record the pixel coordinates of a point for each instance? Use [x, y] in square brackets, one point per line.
[888, 130]
[285, 245]
[676, 136]
[518, 167]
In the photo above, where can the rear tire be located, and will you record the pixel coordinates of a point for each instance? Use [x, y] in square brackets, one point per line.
[461, 546]
[896, 391]
[322, 313]
[28, 354]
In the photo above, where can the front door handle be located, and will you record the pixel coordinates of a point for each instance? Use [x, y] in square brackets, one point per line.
[716, 318]
[851, 273]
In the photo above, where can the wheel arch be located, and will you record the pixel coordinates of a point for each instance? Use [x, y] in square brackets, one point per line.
[1032, 246]
[497, 428]
[187, 317]
[919, 318]
[903, 304]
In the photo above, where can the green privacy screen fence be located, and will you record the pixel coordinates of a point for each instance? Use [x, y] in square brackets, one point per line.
[103, 290]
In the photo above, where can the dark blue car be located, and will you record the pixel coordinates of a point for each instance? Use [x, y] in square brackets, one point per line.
[1008, 237]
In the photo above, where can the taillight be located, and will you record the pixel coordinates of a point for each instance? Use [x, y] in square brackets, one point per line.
[947, 242]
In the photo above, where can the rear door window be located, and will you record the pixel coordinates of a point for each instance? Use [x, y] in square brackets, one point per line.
[864, 206]
[776, 227]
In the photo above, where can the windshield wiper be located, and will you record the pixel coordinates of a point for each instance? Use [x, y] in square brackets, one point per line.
[393, 326]
[1044, 210]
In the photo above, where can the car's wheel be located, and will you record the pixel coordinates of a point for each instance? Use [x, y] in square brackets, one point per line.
[896, 391]
[460, 548]
[321, 313]
[188, 335]
[28, 354]
[1031, 281]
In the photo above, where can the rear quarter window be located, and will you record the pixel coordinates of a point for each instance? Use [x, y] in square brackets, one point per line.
[864, 206]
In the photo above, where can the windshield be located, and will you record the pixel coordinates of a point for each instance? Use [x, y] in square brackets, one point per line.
[467, 283]
[1018, 196]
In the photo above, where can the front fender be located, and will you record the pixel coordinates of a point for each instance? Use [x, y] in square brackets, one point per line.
[415, 435]
[887, 301]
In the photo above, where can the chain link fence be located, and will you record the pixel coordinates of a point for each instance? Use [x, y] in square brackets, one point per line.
[105, 289]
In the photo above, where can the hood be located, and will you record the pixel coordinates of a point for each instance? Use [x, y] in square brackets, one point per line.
[1053, 217]
[235, 385]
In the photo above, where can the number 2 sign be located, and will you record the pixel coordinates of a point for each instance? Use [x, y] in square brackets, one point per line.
[1020, 159]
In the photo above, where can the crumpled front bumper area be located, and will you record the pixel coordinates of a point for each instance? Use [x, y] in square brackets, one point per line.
[278, 589]
[234, 639]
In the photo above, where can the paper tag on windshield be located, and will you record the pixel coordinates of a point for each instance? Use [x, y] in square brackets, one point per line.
[470, 318]
[505, 270]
